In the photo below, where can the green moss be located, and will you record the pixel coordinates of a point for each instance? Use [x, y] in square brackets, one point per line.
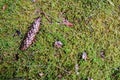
[96, 28]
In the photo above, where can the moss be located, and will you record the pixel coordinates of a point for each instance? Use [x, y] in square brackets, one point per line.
[96, 28]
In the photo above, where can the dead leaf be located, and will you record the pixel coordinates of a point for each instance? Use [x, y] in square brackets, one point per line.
[90, 79]
[76, 69]
[60, 76]
[34, 0]
[58, 44]
[17, 33]
[84, 56]
[16, 56]
[102, 54]
[4, 7]
[41, 74]
[67, 23]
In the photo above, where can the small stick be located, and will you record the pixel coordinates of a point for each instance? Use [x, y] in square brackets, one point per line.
[47, 17]
[62, 69]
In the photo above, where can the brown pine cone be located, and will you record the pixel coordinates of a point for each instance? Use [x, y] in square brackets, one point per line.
[30, 36]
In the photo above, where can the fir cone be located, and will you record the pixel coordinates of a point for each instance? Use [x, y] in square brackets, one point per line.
[30, 35]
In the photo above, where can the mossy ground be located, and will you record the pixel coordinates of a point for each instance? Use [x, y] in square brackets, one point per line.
[96, 28]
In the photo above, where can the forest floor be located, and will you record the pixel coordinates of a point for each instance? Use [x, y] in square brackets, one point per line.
[91, 46]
